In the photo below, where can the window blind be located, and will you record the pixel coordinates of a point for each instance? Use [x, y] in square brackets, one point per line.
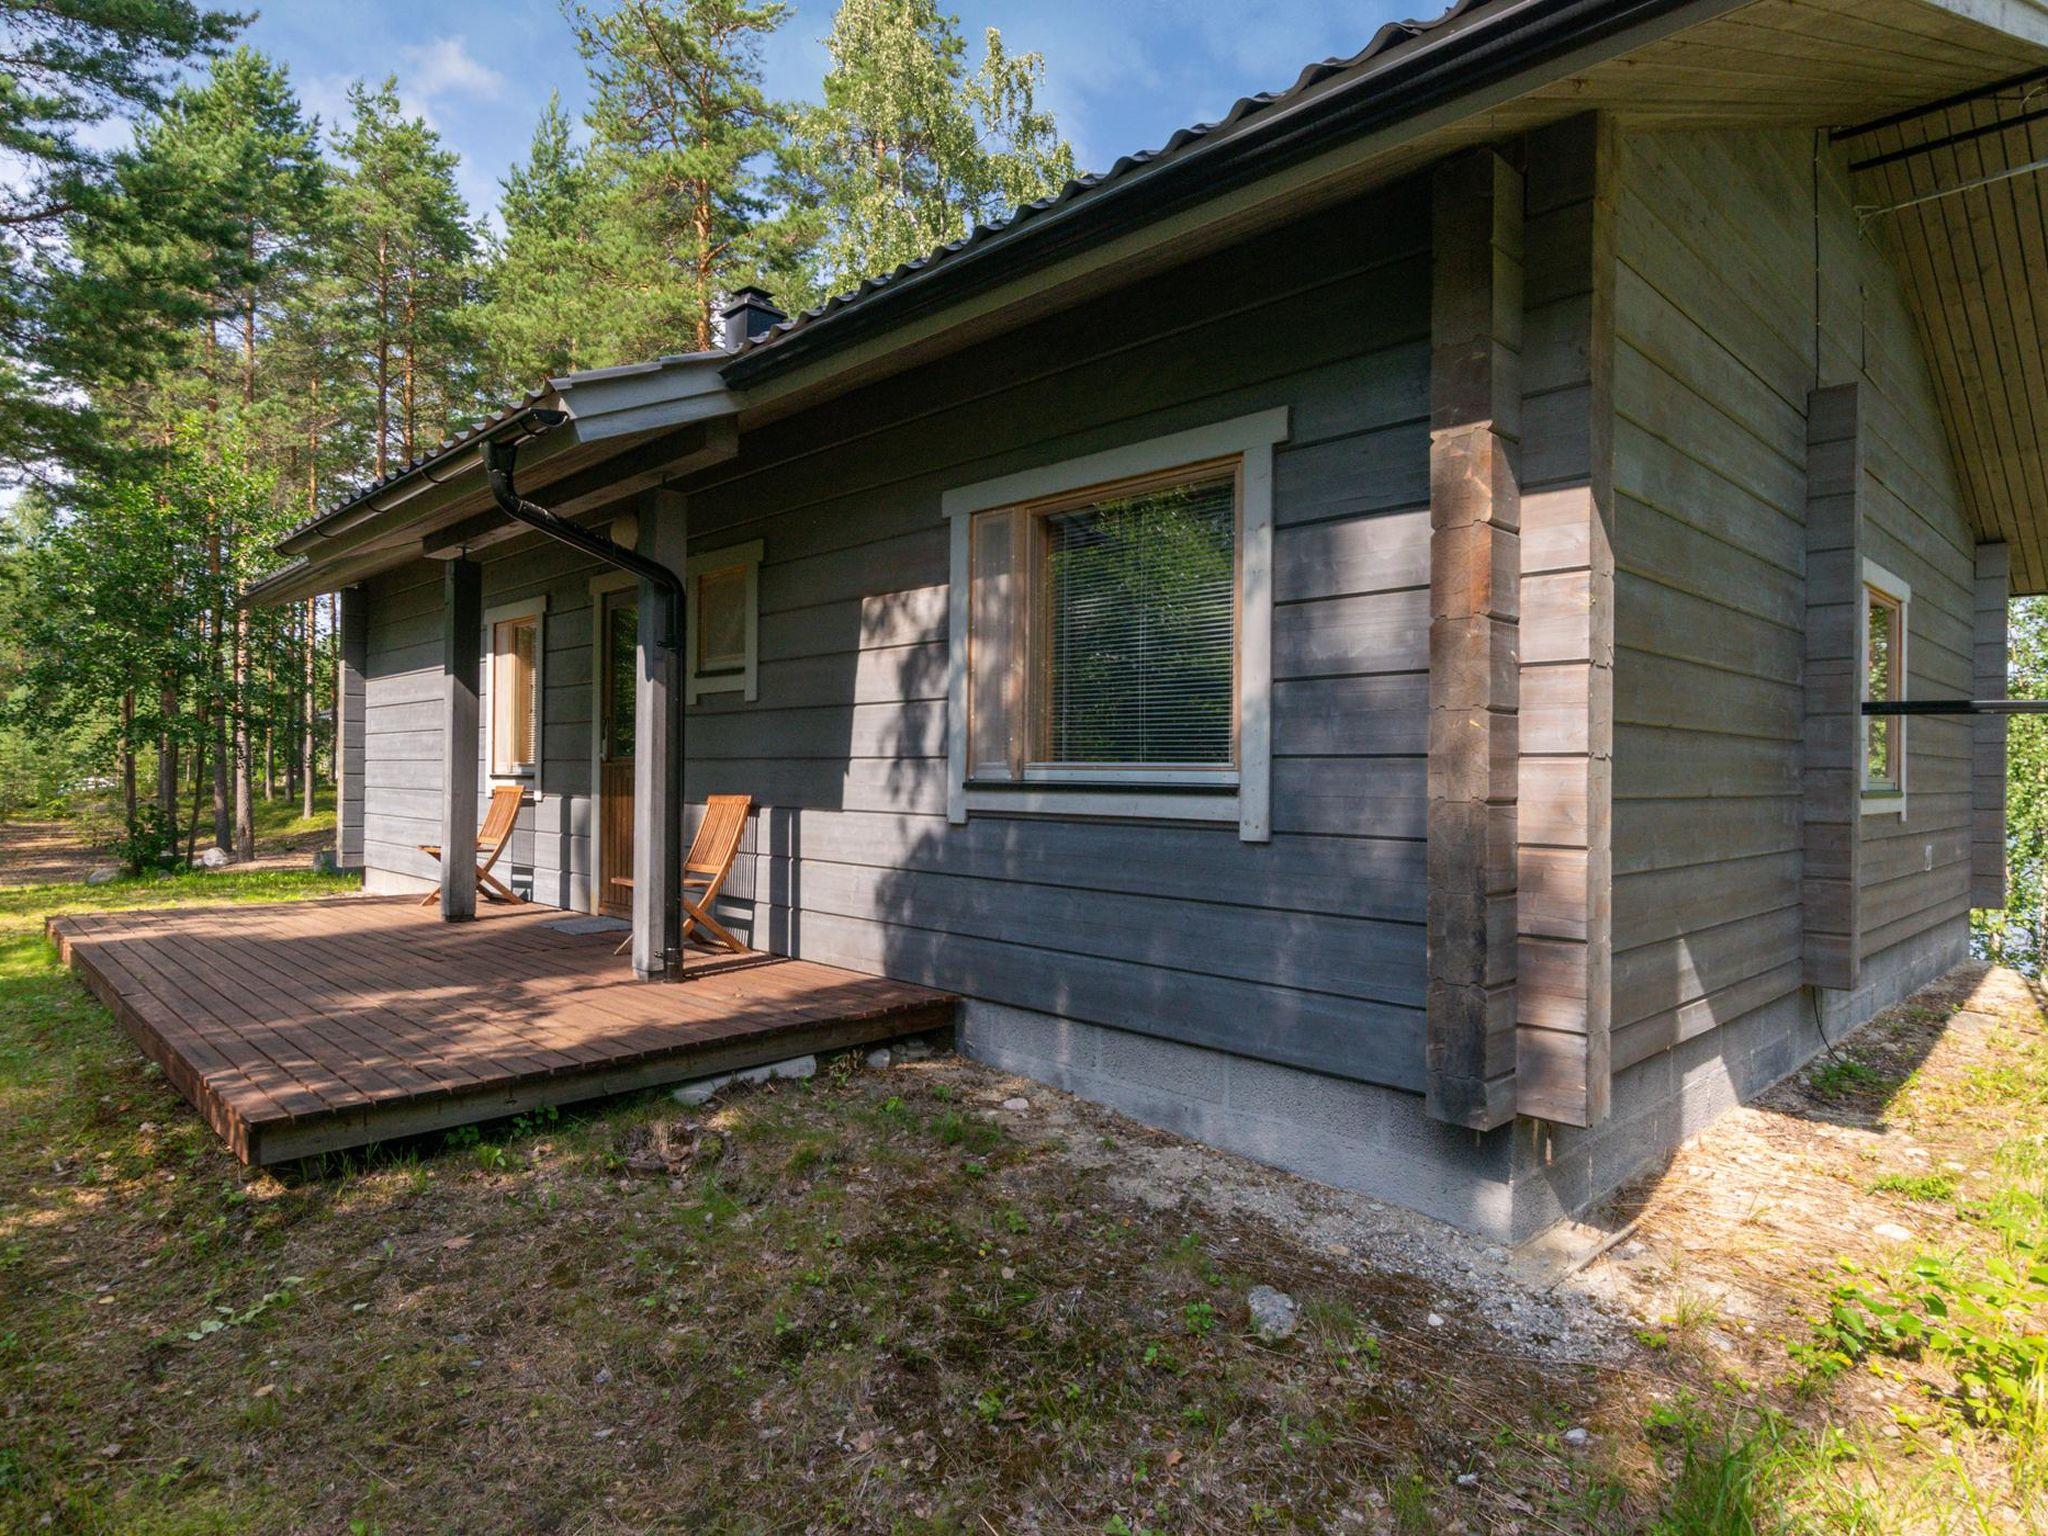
[1140, 611]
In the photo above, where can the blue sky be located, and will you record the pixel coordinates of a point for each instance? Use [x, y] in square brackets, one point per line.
[1121, 74]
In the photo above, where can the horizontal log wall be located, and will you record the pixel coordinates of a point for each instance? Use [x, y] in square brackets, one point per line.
[1725, 240]
[1308, 950]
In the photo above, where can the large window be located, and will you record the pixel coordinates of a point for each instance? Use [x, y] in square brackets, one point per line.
[1885, 599]
[1105, 641]
[1111, 632]
[515, 696]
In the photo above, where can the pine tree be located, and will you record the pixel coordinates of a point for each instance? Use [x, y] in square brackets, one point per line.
[910, 150]
[404, 251]
[544, 311]
[69, 68]
[685, 141]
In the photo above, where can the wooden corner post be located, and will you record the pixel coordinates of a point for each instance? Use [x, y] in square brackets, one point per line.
[462, 623]
[1831, 772]
[1475, 569]
[1987, 732]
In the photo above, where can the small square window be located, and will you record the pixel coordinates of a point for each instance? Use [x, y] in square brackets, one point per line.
[724, 618]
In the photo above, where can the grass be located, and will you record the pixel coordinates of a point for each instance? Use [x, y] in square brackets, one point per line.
[863, 1303]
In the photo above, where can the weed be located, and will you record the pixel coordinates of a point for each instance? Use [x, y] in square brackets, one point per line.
[1200, 1317]
[1928, 1188]
[1839, 1076]
[1408, 1503]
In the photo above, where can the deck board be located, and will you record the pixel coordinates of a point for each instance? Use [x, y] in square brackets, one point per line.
[306, 1027]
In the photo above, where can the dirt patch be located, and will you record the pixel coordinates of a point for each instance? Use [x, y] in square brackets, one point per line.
[45, 853]
[1883, 1150]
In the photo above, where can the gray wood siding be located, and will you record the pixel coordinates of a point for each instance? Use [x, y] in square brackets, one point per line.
[1307, 950]
[550, 856]
[1716, 335]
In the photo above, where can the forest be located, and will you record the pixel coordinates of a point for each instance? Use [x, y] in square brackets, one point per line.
[217, 329]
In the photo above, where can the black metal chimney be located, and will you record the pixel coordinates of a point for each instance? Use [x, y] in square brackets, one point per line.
[747, 314]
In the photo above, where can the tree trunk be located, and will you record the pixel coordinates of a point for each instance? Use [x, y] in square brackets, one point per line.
[308, 764]
[128, 799]
[383, 359]
[223, 804]
[245, 811]
[167, 759]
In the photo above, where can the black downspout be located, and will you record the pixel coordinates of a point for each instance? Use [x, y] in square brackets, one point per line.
[500, 460]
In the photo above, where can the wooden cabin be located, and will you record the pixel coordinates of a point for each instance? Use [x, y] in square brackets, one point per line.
[1343, 636]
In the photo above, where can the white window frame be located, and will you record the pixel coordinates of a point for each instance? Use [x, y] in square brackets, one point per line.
[535, 608]
[1877, 801]
[746, 681]
[1070, 792]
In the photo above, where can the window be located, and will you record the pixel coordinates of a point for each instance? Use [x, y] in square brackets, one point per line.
[1885, 599]
[1106, 645]
[1111, 633]
[723, 621]
[515, 696]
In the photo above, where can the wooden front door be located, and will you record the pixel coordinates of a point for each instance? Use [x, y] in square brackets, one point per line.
[618, 639]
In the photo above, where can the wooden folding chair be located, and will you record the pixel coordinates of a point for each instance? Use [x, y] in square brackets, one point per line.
[491, 839]
[706, 865]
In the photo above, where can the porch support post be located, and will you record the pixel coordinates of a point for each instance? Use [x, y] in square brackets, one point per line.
[658, 747]
[1474, 689]
[462, 618]
[353, 644]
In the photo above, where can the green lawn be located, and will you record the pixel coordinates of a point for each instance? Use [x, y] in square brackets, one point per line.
[876, 1302]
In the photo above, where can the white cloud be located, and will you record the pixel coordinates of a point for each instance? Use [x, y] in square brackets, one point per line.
[445, 67]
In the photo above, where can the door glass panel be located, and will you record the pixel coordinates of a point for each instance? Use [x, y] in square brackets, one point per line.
[622, 620]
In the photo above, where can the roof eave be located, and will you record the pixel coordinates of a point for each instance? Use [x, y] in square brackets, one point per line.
[1470, 52]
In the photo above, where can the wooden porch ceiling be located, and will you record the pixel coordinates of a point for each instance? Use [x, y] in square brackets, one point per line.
[303, 1028]
[1956, 195]
[1973, 256]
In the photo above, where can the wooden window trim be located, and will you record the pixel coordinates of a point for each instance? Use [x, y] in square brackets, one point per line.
[1883, 799]
[1217, 796]
[744, 681]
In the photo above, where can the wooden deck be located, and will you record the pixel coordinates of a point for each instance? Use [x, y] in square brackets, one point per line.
[305, 1027]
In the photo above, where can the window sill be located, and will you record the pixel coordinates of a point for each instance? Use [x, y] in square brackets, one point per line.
[1111, 802]
[1884, 802]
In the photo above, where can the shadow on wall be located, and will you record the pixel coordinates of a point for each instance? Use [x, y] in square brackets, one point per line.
[851, 718]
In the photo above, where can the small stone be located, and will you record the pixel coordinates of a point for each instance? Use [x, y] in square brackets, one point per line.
[1891, 1232]
[1576, 1437]
[1016, 1106]
[795, 1068]
[1435, 1321]
[103, 874]
[880, 1057]
[914, 1049]
[604, 1376]
[1273, 1312]
[692, 1094]
[215, 858]
[1468, 1479]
